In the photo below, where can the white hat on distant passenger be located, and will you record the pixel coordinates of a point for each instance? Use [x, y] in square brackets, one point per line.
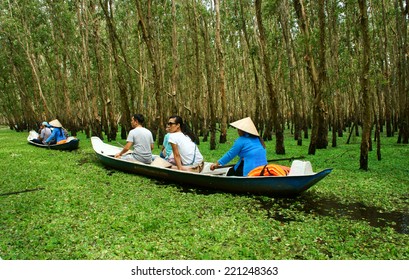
[55, 123]
[246, 125]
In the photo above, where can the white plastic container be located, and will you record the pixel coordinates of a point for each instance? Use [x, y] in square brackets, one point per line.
[299, 168]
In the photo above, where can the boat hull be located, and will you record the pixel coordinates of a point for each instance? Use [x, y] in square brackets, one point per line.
[71, 144]
[273, 185]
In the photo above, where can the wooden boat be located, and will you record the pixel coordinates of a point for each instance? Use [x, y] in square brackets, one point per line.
[287, 186]
[71, 144]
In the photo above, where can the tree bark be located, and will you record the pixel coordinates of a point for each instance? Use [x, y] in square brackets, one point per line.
[319, 108]
[258, 116]
[221, 80]
[402, 70]
[209, 81]
[105, 95]
[175, 59]
[365, 90]
[146, 28]
[199, 119]
[125, 108]
[275, 109]
[386, 73]
[295, 92]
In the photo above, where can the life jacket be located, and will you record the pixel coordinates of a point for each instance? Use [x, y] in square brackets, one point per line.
[270, 170]
[62, 142]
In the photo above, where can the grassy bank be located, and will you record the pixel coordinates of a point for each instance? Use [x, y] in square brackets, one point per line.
[66, 205]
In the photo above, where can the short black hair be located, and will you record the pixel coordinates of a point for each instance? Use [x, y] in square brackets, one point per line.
[139, 117]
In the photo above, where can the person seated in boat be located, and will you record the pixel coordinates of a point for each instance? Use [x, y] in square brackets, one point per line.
[43, 133]
[249, 147]
[166, 146]
[185, 153]
[142, 140]
[57, 135]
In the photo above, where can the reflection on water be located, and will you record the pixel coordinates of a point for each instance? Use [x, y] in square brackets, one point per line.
[376, 217]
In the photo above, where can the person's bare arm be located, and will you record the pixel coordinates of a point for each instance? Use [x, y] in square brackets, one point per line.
[176, 156]
[126, 148]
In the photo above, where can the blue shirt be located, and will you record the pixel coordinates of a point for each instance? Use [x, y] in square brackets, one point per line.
[56, 134]
[249, 149]
[167, 145]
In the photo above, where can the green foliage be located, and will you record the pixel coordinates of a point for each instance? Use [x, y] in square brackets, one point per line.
[66, 205]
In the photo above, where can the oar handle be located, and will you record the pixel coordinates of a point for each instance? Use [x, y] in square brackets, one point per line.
[270, 160]
[289, 159]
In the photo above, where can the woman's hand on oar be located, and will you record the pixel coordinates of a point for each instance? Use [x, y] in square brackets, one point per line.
[214, 166]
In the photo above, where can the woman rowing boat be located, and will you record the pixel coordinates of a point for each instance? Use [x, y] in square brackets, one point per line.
[249, 147]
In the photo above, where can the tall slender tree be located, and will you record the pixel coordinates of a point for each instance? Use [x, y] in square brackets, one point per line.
[365, 86]
[146, 27]
[402, 14]
[209, 81]
[295, 92]
[253, 58]
[108, 9]
[272, 93]
[221, 79]
[319, 109]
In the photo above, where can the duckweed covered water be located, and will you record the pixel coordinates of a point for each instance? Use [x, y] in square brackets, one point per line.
[357, 211]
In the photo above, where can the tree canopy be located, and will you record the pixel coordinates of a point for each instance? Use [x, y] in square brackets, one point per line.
[296, 63]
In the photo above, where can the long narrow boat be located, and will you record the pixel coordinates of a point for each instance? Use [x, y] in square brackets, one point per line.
[71, 144]
[216, 180]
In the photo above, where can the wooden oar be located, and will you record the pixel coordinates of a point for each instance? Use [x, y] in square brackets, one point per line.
[130, 151]
[269, 160]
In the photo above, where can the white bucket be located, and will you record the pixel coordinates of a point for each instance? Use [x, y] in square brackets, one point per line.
[299, 168]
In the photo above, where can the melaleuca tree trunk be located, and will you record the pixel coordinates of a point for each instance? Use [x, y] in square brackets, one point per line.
[211, 106]
[365, 87]
[147, 30]
[319, 132]
[272, 93]
[221, 79]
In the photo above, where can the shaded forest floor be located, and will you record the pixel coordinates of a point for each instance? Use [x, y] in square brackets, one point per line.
[66, 205]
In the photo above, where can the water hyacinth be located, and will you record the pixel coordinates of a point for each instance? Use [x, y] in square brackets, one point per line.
[66, 205]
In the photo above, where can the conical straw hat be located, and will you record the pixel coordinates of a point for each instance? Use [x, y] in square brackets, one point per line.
[160, 162]
[55, 123]
[246, 125]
